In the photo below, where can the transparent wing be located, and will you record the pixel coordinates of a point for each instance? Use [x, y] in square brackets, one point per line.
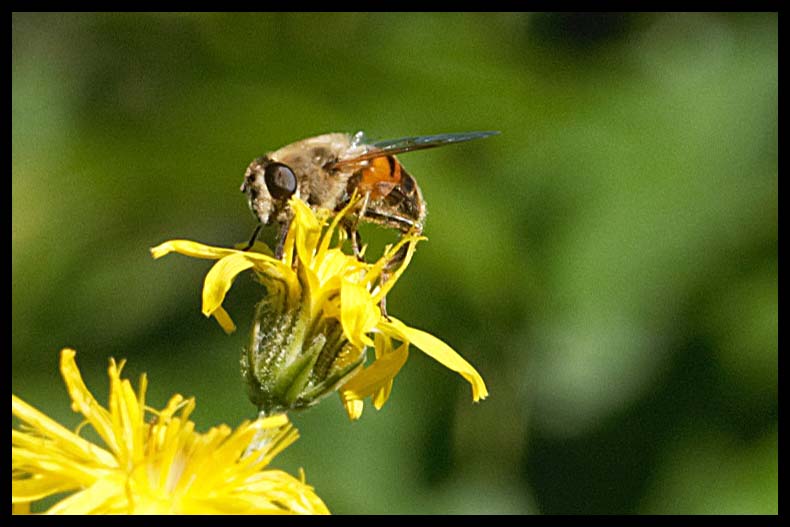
[408, 144]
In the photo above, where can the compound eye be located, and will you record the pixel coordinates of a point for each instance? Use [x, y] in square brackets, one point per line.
[280, 180]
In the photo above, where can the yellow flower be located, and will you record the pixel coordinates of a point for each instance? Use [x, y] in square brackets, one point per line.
[157, 467]
[311, 331]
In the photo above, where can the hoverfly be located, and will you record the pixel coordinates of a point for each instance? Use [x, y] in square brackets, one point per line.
[325, 171]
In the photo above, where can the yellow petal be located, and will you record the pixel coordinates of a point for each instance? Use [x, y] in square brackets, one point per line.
[190, 248]
[285, 492]
[65, 438]
[141, 391]
[220, 278]
[327, 238]
[127, 414]
[376, 379]
[383, 347]
[325, 297]
[337, 263]
[358, 313]
[307, 230]
[281, 433]
[288, 245]
[38, 487]
[393, 278]
[383, 344]
[257, 247]
[378, 267]
[102, 496]
[352, 403]
[438, 350]
[223, 319]
[84, 402]
[308, 285]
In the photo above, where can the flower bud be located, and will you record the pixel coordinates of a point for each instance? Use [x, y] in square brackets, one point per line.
[293, 359]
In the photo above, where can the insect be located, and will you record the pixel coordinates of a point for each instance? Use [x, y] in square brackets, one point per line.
[324, 171]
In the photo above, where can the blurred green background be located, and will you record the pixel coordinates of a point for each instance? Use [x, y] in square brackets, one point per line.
[608, 263]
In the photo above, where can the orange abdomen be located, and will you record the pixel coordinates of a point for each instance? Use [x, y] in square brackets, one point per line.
[380, 176]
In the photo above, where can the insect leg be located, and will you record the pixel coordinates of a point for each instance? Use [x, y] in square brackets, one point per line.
[353, 232]
[278, 250]
[356, 240]
[383, 302]
[253, 237]
[389, 269]
[364, 207]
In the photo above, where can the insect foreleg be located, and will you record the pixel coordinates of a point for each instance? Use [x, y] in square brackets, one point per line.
[278, 249]
[253, 237]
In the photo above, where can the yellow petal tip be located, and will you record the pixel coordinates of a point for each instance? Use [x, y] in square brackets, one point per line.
[223, 319]
[160, 250]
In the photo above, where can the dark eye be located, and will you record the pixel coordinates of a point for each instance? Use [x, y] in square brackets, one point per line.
[280, 180]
